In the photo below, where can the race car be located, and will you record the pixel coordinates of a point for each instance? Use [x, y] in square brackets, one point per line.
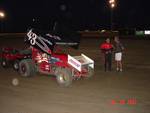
[43, 59]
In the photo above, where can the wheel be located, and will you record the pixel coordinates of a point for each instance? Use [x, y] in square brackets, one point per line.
[90, 72]
[16, 65]
[63, 77]
[27, 68]
[4, 63]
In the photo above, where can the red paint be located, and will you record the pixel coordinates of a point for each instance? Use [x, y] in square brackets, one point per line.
[10, 56]
[132, 101]
[106, 46]
[124, 102]
[113, 102]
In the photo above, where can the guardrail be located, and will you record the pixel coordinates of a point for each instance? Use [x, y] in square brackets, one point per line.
[97, 34]
[90, 34]
[12, 34]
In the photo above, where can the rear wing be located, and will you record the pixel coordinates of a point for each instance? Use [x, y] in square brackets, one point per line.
[46, 41]
[79, 61]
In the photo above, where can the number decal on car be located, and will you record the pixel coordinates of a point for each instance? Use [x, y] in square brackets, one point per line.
[39, 41]
[32, 37]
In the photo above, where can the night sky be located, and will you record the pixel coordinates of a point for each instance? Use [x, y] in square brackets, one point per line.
[77, 14]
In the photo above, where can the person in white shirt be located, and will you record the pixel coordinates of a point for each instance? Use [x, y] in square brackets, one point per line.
[118, 48]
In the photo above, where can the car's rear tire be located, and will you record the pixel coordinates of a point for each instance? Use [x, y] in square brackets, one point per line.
[63, 76]
[27, 68]
[16, 65]
[90, 72]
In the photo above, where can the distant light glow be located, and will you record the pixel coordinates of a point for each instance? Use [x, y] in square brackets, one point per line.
[2, 14]
[139, 33]
[112, 3]
[103, 31]
[147, 32]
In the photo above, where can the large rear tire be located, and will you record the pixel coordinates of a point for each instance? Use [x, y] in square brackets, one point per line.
[64, 77]
[90, 72]
[27, 68]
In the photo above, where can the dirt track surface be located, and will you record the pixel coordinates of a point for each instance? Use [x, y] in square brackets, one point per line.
[41, 94]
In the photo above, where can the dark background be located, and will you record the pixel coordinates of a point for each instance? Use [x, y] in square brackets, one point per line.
[78, 14]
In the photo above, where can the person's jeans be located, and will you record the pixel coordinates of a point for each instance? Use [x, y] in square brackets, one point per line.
[108, 61]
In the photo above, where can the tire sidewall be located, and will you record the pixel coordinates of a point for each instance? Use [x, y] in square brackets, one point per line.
[90, 72]
[63, 77]
[23, 69]
[27, 68]
[16, 65]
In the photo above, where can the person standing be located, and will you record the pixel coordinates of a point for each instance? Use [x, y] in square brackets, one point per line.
[106, 49]
[118, 48]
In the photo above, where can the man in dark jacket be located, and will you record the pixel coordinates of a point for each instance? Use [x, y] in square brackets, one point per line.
[106, 49]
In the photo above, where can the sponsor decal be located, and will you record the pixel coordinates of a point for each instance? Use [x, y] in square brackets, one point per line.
[74, 63]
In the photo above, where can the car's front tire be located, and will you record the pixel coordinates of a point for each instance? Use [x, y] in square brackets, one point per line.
[63, 76]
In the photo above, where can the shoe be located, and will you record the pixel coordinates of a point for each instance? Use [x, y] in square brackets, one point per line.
[117, 69]
[121, 70]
